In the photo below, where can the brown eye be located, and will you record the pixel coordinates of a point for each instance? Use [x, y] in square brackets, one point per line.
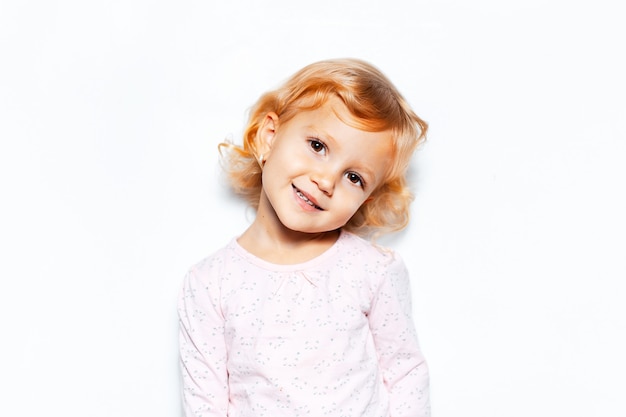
[355, 178]
[316, 145]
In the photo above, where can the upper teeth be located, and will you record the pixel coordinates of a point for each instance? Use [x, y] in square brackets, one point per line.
[302, 196]
[309, 202]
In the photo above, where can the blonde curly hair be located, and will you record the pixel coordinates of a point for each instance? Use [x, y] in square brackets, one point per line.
[375, 105]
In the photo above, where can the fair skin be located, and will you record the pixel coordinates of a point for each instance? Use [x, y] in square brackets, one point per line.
[318, 171]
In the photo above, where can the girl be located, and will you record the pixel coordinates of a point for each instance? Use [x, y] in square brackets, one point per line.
[300, 315]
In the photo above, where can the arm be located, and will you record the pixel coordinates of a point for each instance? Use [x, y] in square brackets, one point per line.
[202, 347]
[403, 367]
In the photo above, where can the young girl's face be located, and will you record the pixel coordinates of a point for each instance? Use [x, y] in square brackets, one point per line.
[318, 169]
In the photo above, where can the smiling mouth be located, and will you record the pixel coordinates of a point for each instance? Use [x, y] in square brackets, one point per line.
[305, 199]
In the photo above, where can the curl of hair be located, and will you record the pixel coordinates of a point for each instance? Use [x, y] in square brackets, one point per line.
[375, 106]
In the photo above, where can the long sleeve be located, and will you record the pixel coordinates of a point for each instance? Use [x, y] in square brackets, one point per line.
[202, 348]
[331, 336]
[405, 373]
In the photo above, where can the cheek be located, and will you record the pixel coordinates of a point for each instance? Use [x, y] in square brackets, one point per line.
[353, 201]
[287, 154]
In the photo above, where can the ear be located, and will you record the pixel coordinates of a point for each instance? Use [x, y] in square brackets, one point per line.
[267, 133]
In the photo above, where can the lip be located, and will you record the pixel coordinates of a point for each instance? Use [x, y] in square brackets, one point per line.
[311, 204]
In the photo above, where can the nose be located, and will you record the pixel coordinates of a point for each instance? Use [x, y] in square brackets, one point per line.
[325, 181]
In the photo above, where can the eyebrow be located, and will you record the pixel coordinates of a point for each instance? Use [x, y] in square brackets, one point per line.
[324, 135]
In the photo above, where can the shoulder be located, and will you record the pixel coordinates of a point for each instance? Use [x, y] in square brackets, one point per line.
[381, 271]
[370, 253]
[209, 269]
[377, 265]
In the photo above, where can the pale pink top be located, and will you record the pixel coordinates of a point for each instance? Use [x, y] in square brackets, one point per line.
[329, 337]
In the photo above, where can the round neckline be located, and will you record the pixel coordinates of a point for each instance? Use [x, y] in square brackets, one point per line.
[255, 260]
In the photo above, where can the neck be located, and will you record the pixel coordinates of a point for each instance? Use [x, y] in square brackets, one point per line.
[268, 239]
[286, 246]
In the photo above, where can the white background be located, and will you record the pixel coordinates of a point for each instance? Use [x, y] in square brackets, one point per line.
[110, 114]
